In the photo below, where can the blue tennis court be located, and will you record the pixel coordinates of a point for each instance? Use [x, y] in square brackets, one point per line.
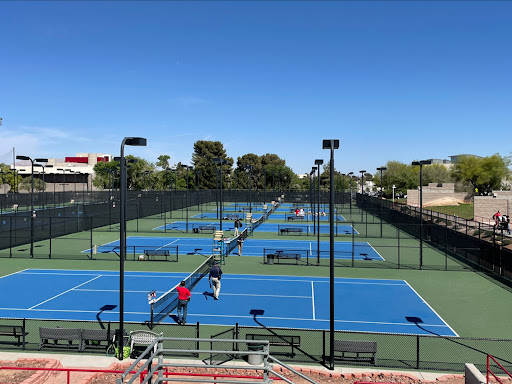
[308, 228]
[365, 305]
[343, 250]
[225, 215]
[137, 244]
[182, 226]
[251, 247]
[285, 216]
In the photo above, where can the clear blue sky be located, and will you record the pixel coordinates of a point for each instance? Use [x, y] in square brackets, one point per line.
[391, 80]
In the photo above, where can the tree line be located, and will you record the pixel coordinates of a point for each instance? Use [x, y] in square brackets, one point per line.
[476, 175]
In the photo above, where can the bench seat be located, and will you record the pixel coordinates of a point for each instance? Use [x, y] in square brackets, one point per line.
[16, 331]
[355, 350]
[50, 337]
[96, 338]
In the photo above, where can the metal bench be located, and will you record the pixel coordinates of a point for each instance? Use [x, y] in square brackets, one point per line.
[291, 230]
[96, 338]
[148, 253]
[287, 255]
[17, 331]
[278, 341]
[204, 228]
[351, 350]
[50, 337]
[289, 218]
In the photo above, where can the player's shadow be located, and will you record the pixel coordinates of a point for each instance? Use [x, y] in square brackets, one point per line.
[417, 321]
[207, 294]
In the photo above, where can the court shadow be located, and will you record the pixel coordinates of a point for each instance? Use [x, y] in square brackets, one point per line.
[174, 317]
[107, 307]
[283, 340]
[417, 321]
[207, 294]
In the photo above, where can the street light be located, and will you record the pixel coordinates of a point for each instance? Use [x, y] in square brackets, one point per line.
[249, 169]
[186, 196]
[421, 163]
[133, 141]
[381, 169]
[312, 199]
[220, 162]
[44, 186]
[332, 145]
[350, 190]
[393, 192]
[362, 182]
[318, 163]
[33, 213]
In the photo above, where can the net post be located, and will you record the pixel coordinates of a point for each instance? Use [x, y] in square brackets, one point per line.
[151, 321]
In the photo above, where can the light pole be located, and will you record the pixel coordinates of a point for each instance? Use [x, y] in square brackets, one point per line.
[264, 186]
[220, 162]
[312, 199]
[350, 191]
[44, 187]
[332, 145]
[32, 212]
[318, 163]
[134, 141]
[362, 182]
[186, 196]
[381, 169]
[393, 192]
[421, 163]
[362, 193]
[249, 169]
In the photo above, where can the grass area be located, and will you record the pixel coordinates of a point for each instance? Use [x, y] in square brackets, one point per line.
[462, 210]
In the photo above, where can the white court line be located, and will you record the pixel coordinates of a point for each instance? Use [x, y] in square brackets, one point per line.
[313, 299]
[432, 309]
[14, 273]
[62, 293]
[167, 244]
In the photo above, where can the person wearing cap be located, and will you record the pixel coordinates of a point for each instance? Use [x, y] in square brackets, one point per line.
[184, 296]
[214, 278]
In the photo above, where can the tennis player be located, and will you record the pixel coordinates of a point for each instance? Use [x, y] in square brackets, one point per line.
[184, 297]
[214, 277]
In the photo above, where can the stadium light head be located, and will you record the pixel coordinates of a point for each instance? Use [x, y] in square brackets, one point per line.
[330, 144]
[381, 169]
[350, 173]
[41, 160]
[319, 161]
[20, 157]
[135, 141]
[364, 171]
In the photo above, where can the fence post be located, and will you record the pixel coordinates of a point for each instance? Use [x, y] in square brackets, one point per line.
[398, 245]
[90, 224]
[50, 255]
[417, 352]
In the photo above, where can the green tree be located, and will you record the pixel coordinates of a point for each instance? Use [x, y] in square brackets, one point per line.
[7, 176]
[163, 161]
[436, 173]
[483, 174]
[202, 160]
[26, 184]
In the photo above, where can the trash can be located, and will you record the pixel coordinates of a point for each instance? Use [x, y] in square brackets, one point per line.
[270, 258]
[255, 359]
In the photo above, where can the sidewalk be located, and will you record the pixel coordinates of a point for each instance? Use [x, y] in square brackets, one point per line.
[104, 362]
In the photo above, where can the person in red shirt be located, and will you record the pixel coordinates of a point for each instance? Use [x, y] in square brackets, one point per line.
[184, 296]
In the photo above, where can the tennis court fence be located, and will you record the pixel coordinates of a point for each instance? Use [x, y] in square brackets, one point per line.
[293, 345]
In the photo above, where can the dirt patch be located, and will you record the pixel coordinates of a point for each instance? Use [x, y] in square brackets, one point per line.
[443, 201]
[19, 376]
[321, 377]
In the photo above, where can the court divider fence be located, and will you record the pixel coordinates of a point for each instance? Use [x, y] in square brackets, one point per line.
[399, 351]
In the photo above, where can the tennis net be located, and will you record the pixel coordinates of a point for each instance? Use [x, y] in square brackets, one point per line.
[166, 303]
[231, 245]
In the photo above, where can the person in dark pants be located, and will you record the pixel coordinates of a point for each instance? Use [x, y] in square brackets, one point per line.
[184, 297]
[240, 243]
[214, 278]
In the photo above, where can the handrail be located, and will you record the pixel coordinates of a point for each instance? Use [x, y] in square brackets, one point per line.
[490, 357]
[290, 369]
